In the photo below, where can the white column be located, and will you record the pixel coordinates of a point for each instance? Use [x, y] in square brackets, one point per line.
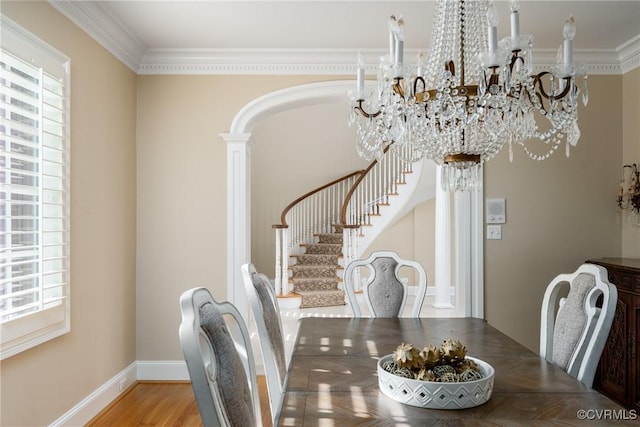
[462, 209]
[443, 245]
[238, 215]
[477, 251]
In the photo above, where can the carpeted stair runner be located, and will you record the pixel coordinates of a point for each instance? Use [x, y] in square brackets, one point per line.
[314, 273]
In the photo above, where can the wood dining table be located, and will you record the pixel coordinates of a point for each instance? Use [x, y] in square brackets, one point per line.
[332, 379]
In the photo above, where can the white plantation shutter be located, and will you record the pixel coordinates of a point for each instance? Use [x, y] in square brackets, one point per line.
[34, 197]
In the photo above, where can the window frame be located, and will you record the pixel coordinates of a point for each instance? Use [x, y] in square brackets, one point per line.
[34, 328]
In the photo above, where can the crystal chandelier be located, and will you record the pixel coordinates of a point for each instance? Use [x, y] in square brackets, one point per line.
[472, 94]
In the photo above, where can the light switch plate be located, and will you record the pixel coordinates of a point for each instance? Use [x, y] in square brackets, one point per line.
[496, 212]
[494, 232]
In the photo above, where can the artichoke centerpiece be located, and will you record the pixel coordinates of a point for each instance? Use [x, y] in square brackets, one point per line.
[447, 363]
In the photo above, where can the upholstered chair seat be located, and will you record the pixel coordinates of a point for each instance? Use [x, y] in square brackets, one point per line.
[266, 313]
[384, 291]
[217, 349]
[575, 328]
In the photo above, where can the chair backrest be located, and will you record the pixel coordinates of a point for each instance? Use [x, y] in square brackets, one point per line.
[574, 329]
[264, 305]
[384, 292]
[217, 349]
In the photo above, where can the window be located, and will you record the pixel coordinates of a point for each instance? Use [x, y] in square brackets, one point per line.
[34, 191]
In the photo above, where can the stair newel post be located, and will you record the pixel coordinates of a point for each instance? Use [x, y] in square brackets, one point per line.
[349, 244]
[282, 255]
[284, 277]
[278, 278]
[278, 267]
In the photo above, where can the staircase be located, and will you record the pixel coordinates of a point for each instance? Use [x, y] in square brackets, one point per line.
[321, 231]
[315, 272]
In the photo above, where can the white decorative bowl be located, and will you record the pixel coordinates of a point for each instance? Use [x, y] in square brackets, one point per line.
[436, 395]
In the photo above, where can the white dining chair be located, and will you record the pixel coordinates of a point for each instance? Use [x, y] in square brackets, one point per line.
[217, 349]
[266, 312]
[384, 291]
[574, 329]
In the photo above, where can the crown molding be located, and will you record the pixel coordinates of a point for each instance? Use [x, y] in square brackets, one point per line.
[342, 62]
[104, 28]
[248, 61]
[96, 21]
[629, 54]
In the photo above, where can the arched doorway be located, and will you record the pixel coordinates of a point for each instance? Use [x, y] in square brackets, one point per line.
[468, 246]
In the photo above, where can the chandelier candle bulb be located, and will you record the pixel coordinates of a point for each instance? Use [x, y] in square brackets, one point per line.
[569, 33]
[515, 21]
[492, 16]
[400, 41]
[420, 61]
[392, 37]
[399, 51]
[360, 76]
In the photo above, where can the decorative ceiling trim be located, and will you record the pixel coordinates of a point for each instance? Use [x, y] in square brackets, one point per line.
[104, 28]
[629, 54]
[342, 62]
[96, 21]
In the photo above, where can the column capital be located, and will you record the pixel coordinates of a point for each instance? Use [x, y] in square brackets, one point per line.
[237, 138]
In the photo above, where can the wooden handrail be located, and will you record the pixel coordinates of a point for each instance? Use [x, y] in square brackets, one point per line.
[347, 198]
[283, 219]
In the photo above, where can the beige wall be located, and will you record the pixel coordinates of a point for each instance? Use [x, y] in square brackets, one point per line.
[413, 238]
[630, 152]
[295, 151]
[560, 212]
[182, 191]
[41, 384]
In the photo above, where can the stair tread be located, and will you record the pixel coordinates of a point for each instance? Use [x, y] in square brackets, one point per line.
[318, 292]
[318, 266]
[310, 266]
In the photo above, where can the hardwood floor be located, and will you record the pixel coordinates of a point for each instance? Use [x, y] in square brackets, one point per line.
[162, 404]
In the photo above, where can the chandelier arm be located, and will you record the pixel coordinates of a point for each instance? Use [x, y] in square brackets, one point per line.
[538, 82]
[514, 58]
[451, 67]
[494, 78]
[361, 110]
[415, 86]
[397, 87]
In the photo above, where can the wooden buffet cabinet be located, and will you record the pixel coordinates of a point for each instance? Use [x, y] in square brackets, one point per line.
[618, 374]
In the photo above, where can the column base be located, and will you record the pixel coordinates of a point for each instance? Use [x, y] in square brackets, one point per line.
[442, 305]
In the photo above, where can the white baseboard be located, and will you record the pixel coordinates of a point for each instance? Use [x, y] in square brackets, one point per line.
[90, 406]
[431, 290]
[162, 370]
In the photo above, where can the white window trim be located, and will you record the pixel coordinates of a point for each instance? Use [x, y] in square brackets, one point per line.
[23, 333]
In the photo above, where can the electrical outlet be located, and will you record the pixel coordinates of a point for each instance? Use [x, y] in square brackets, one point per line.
[494, 232]
[122, 384]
